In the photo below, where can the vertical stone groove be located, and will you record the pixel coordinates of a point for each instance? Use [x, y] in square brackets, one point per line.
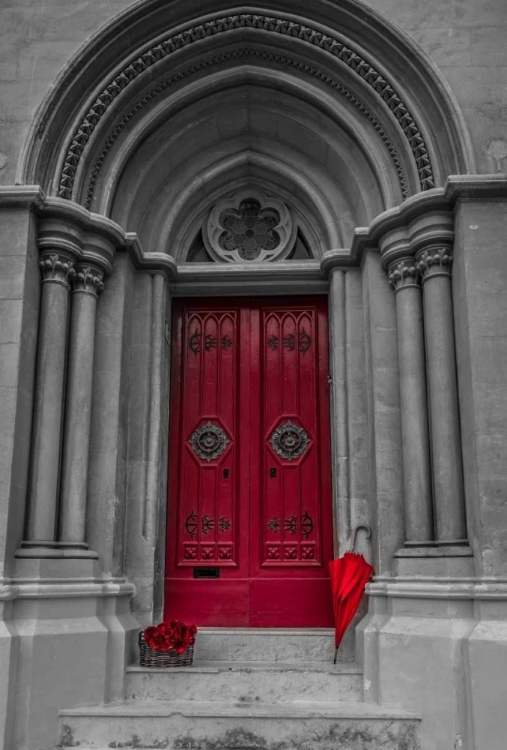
[150, 526]
[337, 323]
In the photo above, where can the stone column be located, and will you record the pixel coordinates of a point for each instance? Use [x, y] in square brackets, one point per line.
[87, 284]
[404, 278]
[57, 271]
[434, 265]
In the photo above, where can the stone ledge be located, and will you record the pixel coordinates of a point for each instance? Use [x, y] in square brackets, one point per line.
[305, 710]
[418, 587]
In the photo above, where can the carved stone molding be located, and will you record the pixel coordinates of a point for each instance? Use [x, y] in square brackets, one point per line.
[434, 262]
[249, 226]
[305, 33]
[88, 280]
[404, 274]
[246, 53]
[57, 269]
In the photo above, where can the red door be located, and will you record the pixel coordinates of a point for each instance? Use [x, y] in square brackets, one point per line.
[249, 516]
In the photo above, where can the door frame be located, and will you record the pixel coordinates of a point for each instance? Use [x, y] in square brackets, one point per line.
[257, 304]
[283, 279]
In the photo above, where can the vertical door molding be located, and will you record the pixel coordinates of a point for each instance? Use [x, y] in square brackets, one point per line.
[349, 418]
[156, 422]
[339, 417]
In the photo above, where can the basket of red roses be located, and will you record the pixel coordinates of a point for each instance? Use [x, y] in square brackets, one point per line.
[168, 644]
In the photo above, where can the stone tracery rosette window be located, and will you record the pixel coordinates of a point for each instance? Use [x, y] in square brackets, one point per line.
[249, 227]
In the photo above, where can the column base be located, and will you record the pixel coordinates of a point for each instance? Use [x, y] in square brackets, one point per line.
[446, 560]
[435, 549]
[69, 628]
[45, 549]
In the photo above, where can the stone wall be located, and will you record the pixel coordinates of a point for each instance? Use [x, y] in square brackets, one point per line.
[84, 531]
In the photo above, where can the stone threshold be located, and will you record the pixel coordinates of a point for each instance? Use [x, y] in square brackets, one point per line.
[296, 710]
[216, 666]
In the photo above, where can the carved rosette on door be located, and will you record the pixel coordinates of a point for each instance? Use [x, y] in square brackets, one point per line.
[207, 510]
[291, 467]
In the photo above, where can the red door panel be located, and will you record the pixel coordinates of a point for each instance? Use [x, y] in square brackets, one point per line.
[249, 484]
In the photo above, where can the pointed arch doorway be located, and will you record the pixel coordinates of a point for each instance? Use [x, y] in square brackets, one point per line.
[249, 517]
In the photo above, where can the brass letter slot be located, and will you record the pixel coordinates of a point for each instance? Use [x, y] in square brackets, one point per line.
[206, 572]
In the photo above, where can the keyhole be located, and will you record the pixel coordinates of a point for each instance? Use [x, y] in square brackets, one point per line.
[272, 473]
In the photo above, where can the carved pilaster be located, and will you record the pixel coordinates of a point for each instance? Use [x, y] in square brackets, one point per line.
[403, 274]
[57, 268]
[88, 280]
[434, 262]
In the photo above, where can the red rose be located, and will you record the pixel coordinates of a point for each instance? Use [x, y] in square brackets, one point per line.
[149, 636]
[168, 636]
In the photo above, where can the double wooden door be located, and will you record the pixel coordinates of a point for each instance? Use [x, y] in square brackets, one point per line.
[249, 510]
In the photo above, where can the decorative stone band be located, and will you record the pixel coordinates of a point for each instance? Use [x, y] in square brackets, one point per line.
[330, 45]
[435, 262]
[88, 281]
[57, 269]
[403, 274]
[245, 54]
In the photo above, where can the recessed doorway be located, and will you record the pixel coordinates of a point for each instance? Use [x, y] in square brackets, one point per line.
[249, 516]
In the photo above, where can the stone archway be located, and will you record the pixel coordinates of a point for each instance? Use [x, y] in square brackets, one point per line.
[342, 119]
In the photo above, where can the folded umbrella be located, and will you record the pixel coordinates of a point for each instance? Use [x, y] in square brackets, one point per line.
[349, 576]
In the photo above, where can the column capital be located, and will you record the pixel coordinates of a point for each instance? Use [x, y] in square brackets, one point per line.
[404, 273]
[435, 261]
[57, 268]
[88, 279]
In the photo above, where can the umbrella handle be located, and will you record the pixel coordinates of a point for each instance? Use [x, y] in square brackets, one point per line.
[354, 534]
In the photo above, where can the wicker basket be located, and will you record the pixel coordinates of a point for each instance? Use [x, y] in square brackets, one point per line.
[150, 657]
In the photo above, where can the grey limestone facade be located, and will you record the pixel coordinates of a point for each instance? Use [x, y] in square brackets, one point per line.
[378, 128]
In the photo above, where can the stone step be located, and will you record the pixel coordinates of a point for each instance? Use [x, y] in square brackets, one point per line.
[191, 725]
[269, 644]
[248, 681]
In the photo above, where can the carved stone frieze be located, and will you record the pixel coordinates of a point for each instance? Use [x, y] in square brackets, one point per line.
[307, 34]
[88, 280]
[57, 268]
[246, 53]
[403, 274]
[435, 262]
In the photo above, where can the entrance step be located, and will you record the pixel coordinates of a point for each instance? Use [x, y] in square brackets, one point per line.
[192, 725]
[279, 682]
[270, 644]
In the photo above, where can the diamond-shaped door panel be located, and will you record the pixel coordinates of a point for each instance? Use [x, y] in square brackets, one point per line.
[289, 440]
[209, 441]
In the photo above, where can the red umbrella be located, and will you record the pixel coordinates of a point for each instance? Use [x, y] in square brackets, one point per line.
[349, 576]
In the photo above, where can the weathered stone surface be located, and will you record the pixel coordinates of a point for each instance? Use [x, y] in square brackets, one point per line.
[480, 300]
[209, 726]
[260, 644]
[385, 473]
[269, 682]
